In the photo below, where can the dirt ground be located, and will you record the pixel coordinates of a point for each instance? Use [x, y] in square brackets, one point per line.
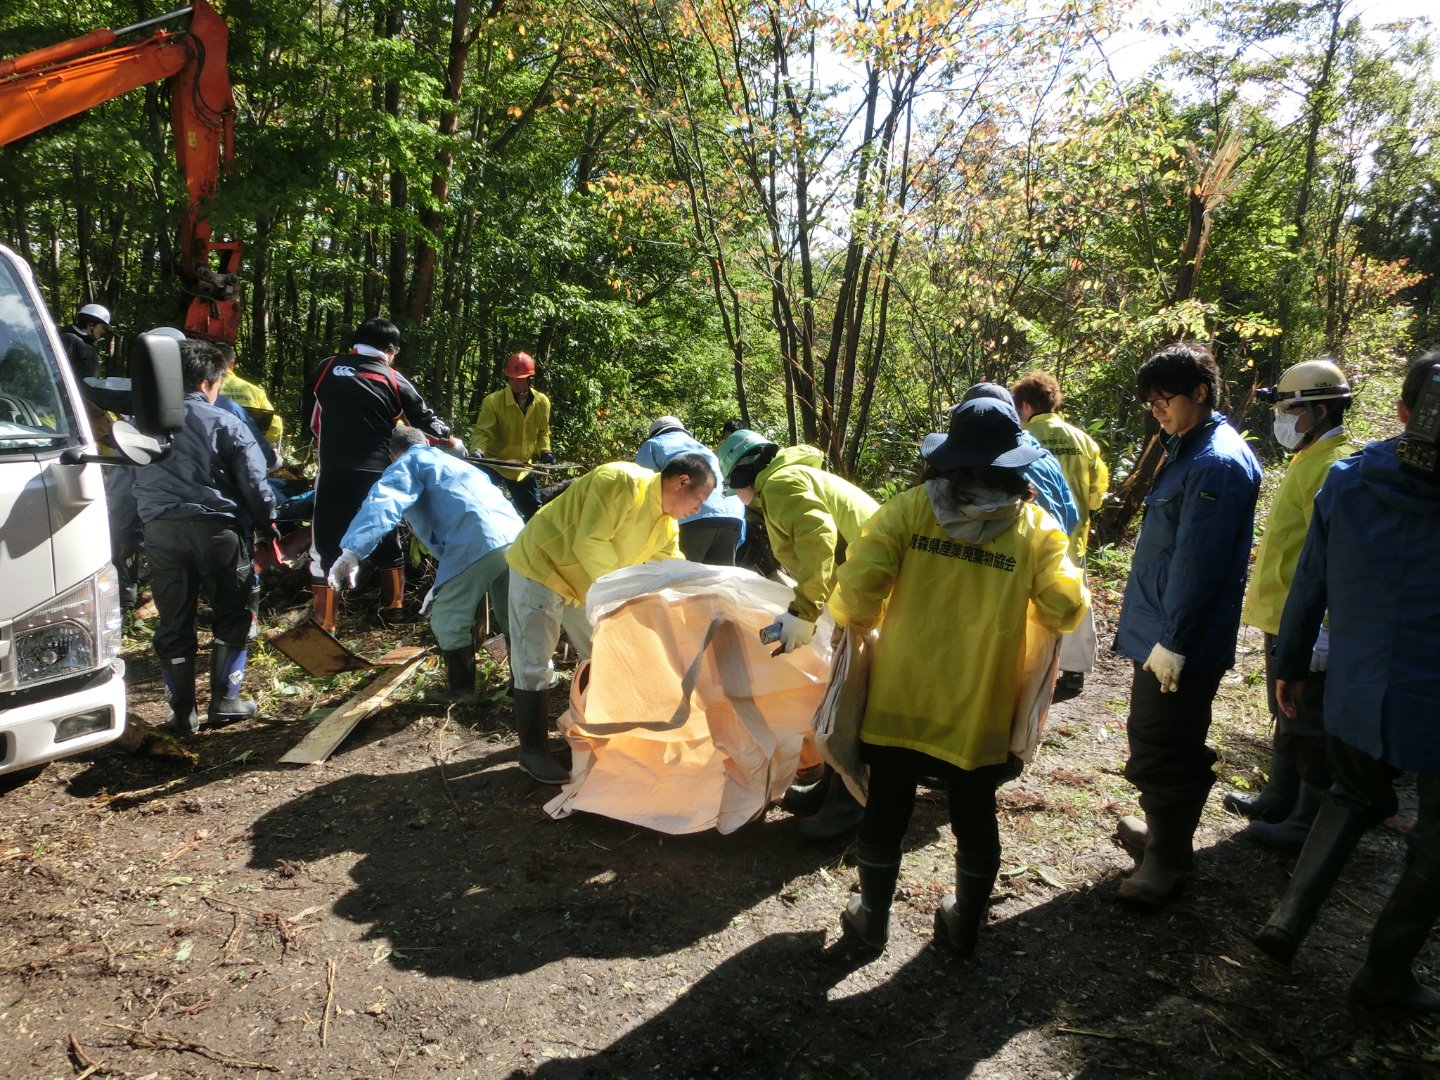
[407, 909]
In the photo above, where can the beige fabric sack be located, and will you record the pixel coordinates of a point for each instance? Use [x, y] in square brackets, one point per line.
[682, 720]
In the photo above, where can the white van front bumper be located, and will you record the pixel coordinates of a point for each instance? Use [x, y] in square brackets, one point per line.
[36, 727]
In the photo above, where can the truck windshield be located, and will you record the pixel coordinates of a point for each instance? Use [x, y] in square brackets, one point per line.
[34, 409]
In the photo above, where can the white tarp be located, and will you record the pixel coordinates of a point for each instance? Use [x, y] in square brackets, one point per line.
[682, 720]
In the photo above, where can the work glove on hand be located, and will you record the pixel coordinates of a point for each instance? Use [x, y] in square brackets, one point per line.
[1165, 665]
[345, 570]
[794, 631]
[545, 457]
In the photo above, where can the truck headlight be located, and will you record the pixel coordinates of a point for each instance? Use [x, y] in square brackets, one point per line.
[76, 632]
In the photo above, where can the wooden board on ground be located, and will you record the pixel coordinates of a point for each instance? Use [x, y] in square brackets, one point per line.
[316, 651]
[333, 730]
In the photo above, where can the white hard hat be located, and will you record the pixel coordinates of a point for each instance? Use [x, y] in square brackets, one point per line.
[1312, 380]
[95, 311]
[664, 424]
[167, 331]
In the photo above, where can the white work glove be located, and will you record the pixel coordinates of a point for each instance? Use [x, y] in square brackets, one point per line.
[794, 631]
[345, 570]
[1166, 667]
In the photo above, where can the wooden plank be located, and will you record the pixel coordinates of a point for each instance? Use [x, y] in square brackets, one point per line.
[322, 740]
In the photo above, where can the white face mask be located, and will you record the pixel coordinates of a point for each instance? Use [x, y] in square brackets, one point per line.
[1285, 433]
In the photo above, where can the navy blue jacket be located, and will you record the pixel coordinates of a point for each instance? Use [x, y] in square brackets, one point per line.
[1187, 577]
[1369, 557]
[215, 470]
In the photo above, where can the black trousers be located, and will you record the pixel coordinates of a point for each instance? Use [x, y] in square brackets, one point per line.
[710, 540]
[186, 556]
[894, 773]
[1303, 737]
[1366, 787]
[339, 494]
[1169, 761]
[525, 494]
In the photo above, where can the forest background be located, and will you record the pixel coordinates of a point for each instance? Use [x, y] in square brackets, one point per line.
[826, 218]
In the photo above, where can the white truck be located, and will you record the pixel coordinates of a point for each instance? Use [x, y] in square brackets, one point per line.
[62, 682]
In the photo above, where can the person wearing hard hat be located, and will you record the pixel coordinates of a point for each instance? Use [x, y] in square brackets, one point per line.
[713, 533]
[1310, 402]
[811, 517]
[1367, 562]
[615, 516]
[514, 425]
[949, 571]
[463, 519]
[91, 324]
[1037, 399]
[1180, 616]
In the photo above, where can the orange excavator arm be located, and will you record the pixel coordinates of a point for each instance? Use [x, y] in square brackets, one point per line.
[51, 84]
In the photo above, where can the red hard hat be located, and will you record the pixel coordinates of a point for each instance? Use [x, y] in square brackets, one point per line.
[519, 366]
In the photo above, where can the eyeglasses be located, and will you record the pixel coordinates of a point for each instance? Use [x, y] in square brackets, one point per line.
[1160, 400]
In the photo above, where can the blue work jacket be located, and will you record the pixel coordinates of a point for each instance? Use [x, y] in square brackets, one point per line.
[656, 454]
[1052, 490]
[454, 508]
[216, 469]
[1368, 556]
[1187, 576]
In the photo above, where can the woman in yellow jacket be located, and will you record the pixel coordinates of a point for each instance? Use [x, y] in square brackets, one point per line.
[614, 516]
[811, 517]
[950, 572]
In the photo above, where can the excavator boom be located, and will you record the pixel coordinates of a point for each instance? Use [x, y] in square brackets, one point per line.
[51, 84]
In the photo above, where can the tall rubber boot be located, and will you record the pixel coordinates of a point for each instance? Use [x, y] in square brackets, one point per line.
[839, 816]
[806, 794]
[179, 678]
[959, 918]
[1332, 838]
[227, 671]
[1386, 980]
[392, 597]
[459, 675]
[1165, 866]
[1288, 835]
[323, 607]
[532, 724]
[1277, 798]
[866, 918]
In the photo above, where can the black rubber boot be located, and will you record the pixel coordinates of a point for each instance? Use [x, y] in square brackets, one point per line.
[959, 918]
[838, 818]
[1165, 865]
[866, 918]
[459, 676]
[179, 678]
[1288, 835]
[1332, 838]
[807, 794]
[532, 724]
[227, 671]
[1386, 980]
[1276, 799]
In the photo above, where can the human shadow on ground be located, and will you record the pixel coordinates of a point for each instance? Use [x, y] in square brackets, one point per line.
[464, 875]
[1077, 986]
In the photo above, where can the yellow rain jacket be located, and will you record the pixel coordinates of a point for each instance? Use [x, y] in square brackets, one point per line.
[503, 431]
[608, 519]
[1286, 527]
[808, 511]
[248, 395]
[1084, 470]
[945, 675]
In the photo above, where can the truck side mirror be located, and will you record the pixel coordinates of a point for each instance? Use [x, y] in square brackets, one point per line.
[157, 385]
